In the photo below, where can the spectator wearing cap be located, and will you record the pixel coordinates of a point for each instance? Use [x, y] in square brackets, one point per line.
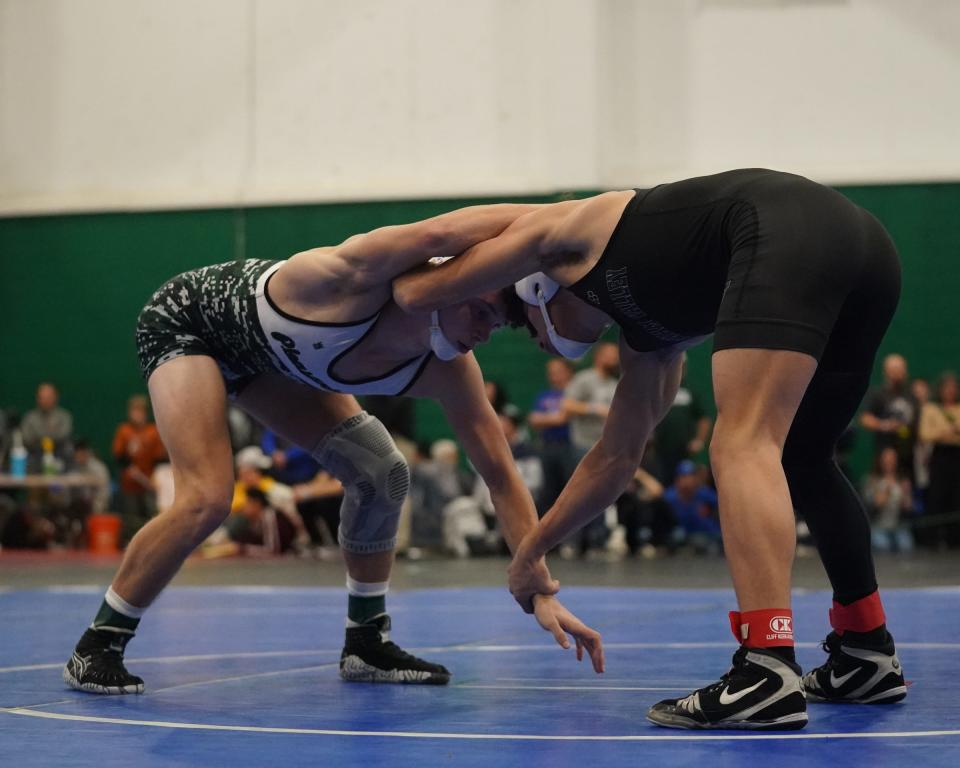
[694, 505]
[258, 528]
[251, 465]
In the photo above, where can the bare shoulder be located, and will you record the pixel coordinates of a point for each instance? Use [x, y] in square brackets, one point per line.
[596, 217]
[315, 285]
[582, 233]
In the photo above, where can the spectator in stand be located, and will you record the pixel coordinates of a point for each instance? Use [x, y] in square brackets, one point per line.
[525, 456]
[48, 419]
[889, 497]
[694, 505]
[244, 431]
[251, 465]
[70, 518]
[940, 426]
[478, 532]
[549, 420]
[257, 528]
[587, 402]
[647, 519]
[290, 465]
[137, 449]
[683, 432]
[891, 413]
[85, 462]
[318, 502]
[922, 449]
[496, 394]
[443, 512]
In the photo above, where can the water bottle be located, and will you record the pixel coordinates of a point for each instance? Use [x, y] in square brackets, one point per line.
[18, 456]
[49, 462]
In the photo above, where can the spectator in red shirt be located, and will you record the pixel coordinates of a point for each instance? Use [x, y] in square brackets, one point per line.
[138, 449]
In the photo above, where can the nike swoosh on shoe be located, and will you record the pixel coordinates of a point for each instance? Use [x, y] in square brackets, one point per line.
[836, 682]
[729, 698]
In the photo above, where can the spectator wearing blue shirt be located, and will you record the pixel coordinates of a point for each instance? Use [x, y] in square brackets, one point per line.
[549, 421]
[694, 505]
[291, 465]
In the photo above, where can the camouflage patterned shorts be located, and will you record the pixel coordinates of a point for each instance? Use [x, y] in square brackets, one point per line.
[210, 311]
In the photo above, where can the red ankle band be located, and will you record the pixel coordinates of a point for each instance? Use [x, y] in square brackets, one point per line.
[766, 628]
[861, 615]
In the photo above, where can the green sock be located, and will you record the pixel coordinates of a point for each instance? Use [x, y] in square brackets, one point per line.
[108, 617]
[361, 609]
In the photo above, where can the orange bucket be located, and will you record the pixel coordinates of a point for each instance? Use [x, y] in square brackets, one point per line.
[103, 534]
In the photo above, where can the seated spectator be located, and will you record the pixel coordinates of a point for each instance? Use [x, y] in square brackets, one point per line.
[257, 528]
[85, 462]
[251, 465]
[647, 519]
[436, 482]
[137, 449]
[47, 420]
[318, 502]
[86, 500]
[290, 464]
[889, 498]
[694, 505]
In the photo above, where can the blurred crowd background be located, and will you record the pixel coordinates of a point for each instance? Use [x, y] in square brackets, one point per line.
[284, 502]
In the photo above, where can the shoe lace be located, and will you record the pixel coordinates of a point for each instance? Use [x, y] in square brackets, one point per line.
[831, 646]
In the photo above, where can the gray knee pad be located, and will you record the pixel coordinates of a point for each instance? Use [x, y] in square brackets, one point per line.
[360, 453]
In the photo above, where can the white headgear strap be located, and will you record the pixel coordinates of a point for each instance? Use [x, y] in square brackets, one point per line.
[537, 289]
[439, 343]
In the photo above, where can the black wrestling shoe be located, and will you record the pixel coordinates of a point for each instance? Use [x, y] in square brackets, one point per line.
[760, 692]
[857, 672]
[369, 657]
[96, 665]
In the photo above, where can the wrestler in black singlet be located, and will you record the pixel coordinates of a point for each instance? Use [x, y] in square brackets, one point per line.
[766, 260]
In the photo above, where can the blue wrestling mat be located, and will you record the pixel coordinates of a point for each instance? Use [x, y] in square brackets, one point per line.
[248, 677]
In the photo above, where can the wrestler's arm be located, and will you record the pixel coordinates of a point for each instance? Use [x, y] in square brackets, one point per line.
[495, 263]
[460, 393]
[459, 390]
[376, 257]
[644, 394]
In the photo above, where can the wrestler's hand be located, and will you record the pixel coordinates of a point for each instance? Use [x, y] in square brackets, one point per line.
[557, 620]
[529, 576]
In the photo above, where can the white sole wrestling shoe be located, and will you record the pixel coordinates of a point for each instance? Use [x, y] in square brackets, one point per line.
[856, 674]
[96, 665]
[369, 657]
[760, 692]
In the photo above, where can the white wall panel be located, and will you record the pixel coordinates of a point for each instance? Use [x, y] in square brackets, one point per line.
[109, 104]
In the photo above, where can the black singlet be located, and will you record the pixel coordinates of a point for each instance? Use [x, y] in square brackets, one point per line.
[758, 257]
